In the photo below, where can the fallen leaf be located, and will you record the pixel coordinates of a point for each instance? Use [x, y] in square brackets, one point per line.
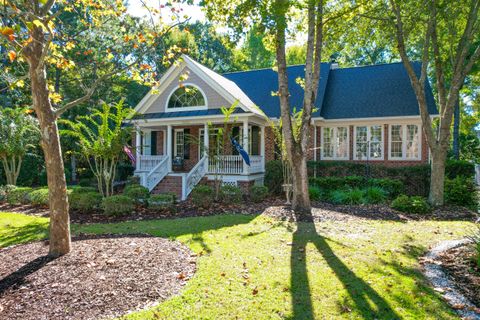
[255, 291]
[12, 55]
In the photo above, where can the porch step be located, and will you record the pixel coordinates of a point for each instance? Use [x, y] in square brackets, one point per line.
[170, 183]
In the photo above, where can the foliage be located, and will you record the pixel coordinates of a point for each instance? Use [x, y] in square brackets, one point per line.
[476, 245]
[413, 204]
[101, 137]
[19, 195]
[315, 193]
[230, 194]
[124, 171]
[39, 197]
[4, 190]
[117, 205]
[138, 193]
[84, 202]
[375, 195]
[351, 196]
[456, 168]
[461, 191]
[133, 180]
[161, 201]
[82, 189]
[274, 176]
[390, 187]
[258, 193]
[202, 196]
[18, 134]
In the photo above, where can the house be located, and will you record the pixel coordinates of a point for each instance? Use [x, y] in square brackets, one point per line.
[361, 114]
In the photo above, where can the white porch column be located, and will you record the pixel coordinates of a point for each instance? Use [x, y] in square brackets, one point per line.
[205, 140]
[262, 146]
[245, 144]
[169, 147]
[314, 142]
[138, 147]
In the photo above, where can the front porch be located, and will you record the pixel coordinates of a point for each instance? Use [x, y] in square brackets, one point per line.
[179, 151]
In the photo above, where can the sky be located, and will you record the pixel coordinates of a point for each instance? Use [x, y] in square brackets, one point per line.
[135, 8]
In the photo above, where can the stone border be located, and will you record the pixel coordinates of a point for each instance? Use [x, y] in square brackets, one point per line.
[442, 284]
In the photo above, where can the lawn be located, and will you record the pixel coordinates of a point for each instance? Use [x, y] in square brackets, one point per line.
[253, 267]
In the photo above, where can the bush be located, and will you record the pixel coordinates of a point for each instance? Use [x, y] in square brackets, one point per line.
[19, 195]
[137, 192]
[476, 246]
[4, 190]
[274, 176]
[414, 204]
[230, 194]
[461, 191]
[124, 171]
[459, 168]
[78, 189]
[391, 187]
[133, 180]
[202, 196]
[315, 193]
[258, 193]
[161, 201]
[84, 201]
[87, 182]
[375, 195]
[117, 205]
[39, 197]
[352, 196]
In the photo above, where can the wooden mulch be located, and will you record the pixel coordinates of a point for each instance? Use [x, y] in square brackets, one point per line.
[460, 266]
[104, 277]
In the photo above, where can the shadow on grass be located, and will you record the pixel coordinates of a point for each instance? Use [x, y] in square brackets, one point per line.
[367, 301]
[25, 233]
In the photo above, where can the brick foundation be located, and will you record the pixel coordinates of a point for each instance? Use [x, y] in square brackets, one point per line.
[170, 184]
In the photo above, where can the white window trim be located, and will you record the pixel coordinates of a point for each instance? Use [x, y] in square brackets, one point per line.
[193, 108]
[404, 142]
[335, 133]
[175, 141]
[382, 144]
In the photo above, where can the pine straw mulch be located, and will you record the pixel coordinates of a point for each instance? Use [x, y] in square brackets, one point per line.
[460, 266]
[274, 207]
[104, 277]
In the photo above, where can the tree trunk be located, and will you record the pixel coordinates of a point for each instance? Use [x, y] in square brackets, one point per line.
[301, 199]
[50, 142]
[437, 177]
[456, 132]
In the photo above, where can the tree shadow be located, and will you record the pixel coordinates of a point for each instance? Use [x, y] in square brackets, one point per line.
[367, 301]
[24, 233]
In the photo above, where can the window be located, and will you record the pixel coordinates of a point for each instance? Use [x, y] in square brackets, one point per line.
[335, 143]
[187, 96]
[179, 143]
[404, 142]
[369, 142]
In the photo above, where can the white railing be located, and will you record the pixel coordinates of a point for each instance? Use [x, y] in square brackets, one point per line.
[152, 178]
[256, 164]
[234, 165]
[147, 163]
[225, 164]
[191, 179]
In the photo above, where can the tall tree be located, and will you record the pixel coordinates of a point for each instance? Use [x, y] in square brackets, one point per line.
[30, 32]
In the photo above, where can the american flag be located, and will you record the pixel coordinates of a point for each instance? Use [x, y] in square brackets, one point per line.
[129, 154]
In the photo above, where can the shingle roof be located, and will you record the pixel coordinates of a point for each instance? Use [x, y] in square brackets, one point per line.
[177, 114]
[260, 84]
[359, 92]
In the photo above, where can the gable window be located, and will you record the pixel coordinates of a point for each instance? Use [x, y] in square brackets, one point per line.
[369, 142]
[404, 142]
[187, 96]
[335, 143]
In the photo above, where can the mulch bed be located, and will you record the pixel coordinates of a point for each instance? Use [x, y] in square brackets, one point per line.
[460, 266]
[273, 207]
[103, 277]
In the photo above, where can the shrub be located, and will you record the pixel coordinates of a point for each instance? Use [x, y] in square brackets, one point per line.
[457, 168]
[87, 182]
[19, 195]
[414, 204]
[202, 196]
[352, 196]
[230, 194]
[315, 193]
[161, 201]
[85, 201]
[461, 191]
[78, 189]
[4, 190]
[39, 197]
[274, 176]
[137, 192]
[391, 187]
[258, 193]
[117, 205]
[476, 246]
[374, 195]
[133, 180]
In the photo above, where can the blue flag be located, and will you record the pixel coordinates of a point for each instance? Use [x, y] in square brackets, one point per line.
[240, 150]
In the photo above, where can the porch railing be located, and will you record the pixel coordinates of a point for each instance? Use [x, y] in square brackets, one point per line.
[193, 177]
[147, 163]
[151, 178]
[233, 164]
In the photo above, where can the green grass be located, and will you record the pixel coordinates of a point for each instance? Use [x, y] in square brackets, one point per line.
[252, 267]
[18, 228]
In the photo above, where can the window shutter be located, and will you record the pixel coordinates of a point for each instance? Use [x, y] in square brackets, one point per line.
[153, 143]
[236, 136]
[186, 144]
